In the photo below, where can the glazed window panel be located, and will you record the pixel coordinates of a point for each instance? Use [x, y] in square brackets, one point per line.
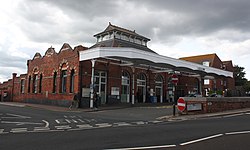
[22, 85]
[40, 83]
[35, 82]
[64, 81]
[72, 79]
[54, 82]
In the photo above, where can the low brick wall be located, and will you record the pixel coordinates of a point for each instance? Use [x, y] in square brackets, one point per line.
[215, 104]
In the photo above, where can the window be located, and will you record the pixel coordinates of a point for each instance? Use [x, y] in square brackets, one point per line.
[206, 63]
[22, 85]
[29, 84]
[206, 81]
[35, 79]
[72, 79]
[40, 83]
[63, 81]
[54, 82]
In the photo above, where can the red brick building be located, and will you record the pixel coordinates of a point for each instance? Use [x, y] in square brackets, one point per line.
[214, 84]
[119, 67]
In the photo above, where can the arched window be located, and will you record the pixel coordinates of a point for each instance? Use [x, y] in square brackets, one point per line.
[54, 82]
[35, 82]
[63, 81]
[29, 84]
[72, 79]
[40, 83]
[159, 88]
[22, 85]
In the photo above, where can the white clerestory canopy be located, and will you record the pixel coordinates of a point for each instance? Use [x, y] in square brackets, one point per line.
[137, 56]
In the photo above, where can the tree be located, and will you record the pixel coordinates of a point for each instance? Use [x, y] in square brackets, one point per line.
[239, 76]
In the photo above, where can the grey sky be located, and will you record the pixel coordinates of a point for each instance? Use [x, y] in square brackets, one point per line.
[176, 28]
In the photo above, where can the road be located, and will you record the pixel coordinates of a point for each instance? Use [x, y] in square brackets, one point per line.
[31, 128]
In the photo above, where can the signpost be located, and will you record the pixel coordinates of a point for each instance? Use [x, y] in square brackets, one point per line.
[174, 81]
[181, 104]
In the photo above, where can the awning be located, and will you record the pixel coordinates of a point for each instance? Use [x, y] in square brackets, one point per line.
[141, 57]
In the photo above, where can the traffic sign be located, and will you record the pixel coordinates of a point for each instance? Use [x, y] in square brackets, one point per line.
[175, 79]
[181, 104]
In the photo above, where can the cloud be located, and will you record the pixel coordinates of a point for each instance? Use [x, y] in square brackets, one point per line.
[176, 28]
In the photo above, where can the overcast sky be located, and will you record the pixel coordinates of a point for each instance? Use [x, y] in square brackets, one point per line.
[177, 28]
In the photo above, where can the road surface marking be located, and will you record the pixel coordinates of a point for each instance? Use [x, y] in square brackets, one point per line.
[247, 113]
[16, 116]
[155, 121]
[18, 130]
[2, 131]
[46, 123]
[202, 139]
[41, 129]
[234, 115]
[81, 120]
[240, 132]
[146, 147]
[21, 123]
[84, 126]
[103, 125]
[62, 127]
[140, 122]
[57, 121]
[122, 124]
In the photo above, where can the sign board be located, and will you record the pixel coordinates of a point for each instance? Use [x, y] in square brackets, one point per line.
[181, 104]
[85, 92]
[115, 91]
[192, 107]
[175, 79]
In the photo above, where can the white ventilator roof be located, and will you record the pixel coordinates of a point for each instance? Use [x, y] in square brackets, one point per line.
[137, 56]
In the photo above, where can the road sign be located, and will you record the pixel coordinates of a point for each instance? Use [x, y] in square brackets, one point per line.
[181, 104]
[175, 79]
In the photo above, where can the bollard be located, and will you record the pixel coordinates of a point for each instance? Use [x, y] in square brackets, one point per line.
[173, 109]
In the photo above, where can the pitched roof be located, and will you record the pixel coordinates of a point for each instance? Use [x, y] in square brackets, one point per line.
[121, 43]
[123, 30]
[201, 58]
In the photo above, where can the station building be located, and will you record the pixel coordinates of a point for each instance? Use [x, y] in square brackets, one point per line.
[120, 68]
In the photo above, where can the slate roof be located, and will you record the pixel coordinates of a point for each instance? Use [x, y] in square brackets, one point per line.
[121, 43]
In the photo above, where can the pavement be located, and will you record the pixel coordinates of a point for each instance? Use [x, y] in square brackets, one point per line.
[166, 117]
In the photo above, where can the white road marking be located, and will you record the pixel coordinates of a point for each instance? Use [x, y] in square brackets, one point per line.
[247, 113]
[202, 139]
[16, 116]
[146, 147]
[240, 132]
[122, 124]
[46, 123]
[81, 120]
[233, 115]
[62, 127]
[103, 125]
[140, 122]
[57, 121]
[18, 130]
[41, 129]
[67, 121]
[84, 126]
[155, 121]
[21, 123]
[2, 131]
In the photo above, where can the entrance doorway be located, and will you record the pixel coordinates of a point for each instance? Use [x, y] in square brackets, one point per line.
[125, 87]
[158, 88]
[141, 88]
[100, 85]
